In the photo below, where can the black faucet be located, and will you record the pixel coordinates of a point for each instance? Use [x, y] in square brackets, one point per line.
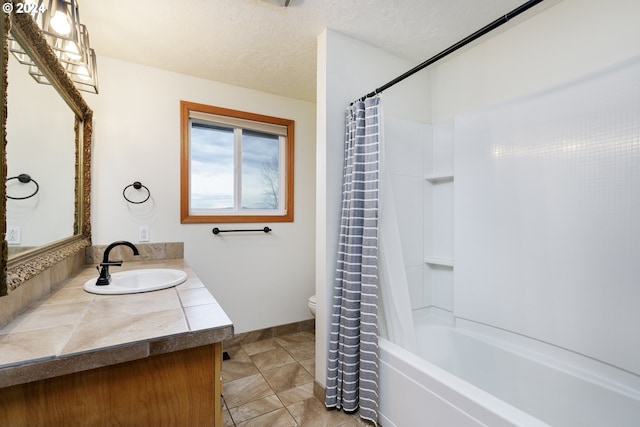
[105, 277]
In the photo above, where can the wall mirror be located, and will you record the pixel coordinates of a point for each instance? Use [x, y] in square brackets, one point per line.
[46, 132]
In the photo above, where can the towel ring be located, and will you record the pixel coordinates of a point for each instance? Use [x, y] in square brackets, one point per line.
[137, 185]
[25, 179]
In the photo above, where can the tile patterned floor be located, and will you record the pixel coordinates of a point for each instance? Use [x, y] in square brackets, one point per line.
[269, 383]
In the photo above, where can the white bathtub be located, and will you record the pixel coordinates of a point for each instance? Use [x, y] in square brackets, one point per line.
[473, 375]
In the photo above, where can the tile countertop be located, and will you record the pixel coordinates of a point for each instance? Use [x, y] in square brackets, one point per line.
[73, 330]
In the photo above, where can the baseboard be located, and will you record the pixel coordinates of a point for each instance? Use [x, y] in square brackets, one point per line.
[318, 391]
[273, 332]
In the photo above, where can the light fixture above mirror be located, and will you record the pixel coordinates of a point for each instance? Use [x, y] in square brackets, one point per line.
[59, 21]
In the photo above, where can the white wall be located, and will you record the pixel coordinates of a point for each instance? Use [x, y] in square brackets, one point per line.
[347, 70]
[545, 239]
[260, 280]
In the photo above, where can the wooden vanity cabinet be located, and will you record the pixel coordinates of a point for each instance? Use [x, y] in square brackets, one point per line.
[181, 388]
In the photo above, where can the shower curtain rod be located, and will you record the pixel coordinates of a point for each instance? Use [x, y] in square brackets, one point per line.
[481, 32]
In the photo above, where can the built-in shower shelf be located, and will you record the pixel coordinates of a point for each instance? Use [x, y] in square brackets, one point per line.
[439, 261]
[438, 178]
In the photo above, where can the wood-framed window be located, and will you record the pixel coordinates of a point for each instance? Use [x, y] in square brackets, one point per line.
[234, 166]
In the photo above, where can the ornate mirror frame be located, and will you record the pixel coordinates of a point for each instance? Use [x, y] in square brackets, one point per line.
[18, 270]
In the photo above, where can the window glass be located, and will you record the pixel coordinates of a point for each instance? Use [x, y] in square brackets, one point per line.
[211, 167]
[235, 166]
[260, 170]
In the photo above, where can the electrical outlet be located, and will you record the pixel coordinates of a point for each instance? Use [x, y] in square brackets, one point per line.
[143, 233]
[13, 234]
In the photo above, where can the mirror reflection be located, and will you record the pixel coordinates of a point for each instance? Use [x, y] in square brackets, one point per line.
[41, 143]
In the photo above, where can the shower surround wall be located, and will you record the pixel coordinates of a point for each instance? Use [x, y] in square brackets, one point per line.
[547, 216]
[439, 186]
[546, 231]
[405, 155]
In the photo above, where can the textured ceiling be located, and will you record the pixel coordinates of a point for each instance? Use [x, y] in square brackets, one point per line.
[255, 44]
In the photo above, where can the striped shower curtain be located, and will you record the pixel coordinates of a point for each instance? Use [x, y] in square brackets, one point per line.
[352, 371]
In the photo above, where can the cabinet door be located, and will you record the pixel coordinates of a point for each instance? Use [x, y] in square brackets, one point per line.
[171, 389]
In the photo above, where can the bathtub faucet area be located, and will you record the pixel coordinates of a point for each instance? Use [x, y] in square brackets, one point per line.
[105, 276]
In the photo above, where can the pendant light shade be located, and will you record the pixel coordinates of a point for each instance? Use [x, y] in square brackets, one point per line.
[59, 21]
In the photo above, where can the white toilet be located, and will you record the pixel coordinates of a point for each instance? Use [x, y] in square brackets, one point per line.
[312, 305]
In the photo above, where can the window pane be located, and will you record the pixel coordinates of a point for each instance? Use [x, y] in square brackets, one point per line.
[260, 170]
[211, 167]
[235, 166]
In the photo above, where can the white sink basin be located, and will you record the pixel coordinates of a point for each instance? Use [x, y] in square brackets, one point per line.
[135, 281]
